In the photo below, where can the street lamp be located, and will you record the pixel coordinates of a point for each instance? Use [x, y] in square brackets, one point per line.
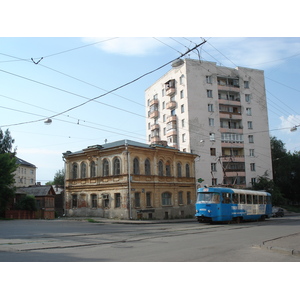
[294, 128]
[47, 121]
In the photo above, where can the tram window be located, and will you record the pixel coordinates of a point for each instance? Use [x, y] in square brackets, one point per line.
[261, 200]
[249, 199]
[242, 199]
[208, 198]
[226, 198]
[235, 198]
[255, 199]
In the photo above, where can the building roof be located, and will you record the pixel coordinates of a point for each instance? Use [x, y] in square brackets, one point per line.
[24, 163]
[36, 190]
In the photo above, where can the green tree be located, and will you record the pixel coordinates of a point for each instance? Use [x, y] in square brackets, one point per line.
[59, 178]
[7, 166]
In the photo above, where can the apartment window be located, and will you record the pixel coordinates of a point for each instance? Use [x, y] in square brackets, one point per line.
[164, 105]
[250, 138]
[211, 122]
[105, 167]
[93, 169]
[214, 181]
[83, 170]
[252, 166]
[187, 170]
[212, 137]
[148, 199]
[253, 181]
[155, 97]
[213, 151]
[163, 92]
[117, 200]
[117, 166]
[251, 152]
[181, 94]
[180, 198]
[182, 108]
[173, 112]
[137, 200]
[181, 79]
[210, 107]
[213, 167]
[166, 198]
[188, 198]
[136, 166]
[179, 173]
[94, 201]
[250, 125]
[164, 118]
[248, 111]
[209, 93]
[182, 123]
[246, 84]
[183, 137]
[208, 79]
[247, 98]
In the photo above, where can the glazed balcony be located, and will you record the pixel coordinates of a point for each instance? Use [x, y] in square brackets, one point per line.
[154, 126]
[154, 114]
[153, 102]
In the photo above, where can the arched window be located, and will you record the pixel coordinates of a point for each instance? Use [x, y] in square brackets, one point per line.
[105, 167]
[147, 167]
[168, 169]
[136, 167]
[160, 168]
[179, 173]
[166, 198]
[187, 170]
[93, 169]
[117, 166]
[83, 170]
[75, 171]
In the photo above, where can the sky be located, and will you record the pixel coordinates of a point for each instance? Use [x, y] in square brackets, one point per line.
[72, 77]
[87, 69]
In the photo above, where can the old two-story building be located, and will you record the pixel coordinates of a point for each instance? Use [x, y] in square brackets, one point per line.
[130, 180]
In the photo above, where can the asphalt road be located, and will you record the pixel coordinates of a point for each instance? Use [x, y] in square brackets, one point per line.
[82, 241]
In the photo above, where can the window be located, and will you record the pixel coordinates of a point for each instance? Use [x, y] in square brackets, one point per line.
[83, 170]
[212, 137]
[209, 93]
[247, 97]
[246, 84]
[74, 171]
[147, 167]
[166, 198]
[148, 199]
[251, 152]
[183, 137]
[213, 167]
[210, 107]
[208, 79]
[187, 170]
[248, 111]
[105, 198]
[182, 123]
[93, 169]
[74, 201]
[164, 105]
[173, 112]
[179, 173]
[105, 167]
[211, 122]
[117, 200]
[137, 200]
[136, 167]
[213, 151]
[160, 168]
[182, 108]
[181, 79]
[249, 125]
[155, 97]
[180, 198]
[94, 201]
[252, 166]
[253, 181]
[250, 138]
[117, 166]
[164, 118]
[188, 198]
[163, 92]
[214, 182]
[168, 169]
[181, 94]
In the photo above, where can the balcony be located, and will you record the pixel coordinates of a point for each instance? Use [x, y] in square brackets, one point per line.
[233, 130]
[155, 139]
[171, 132]
[230, 115]
[154, 114]
[171, 105]
[154, 126]
[171, 119]
[153, 102]
[228, 88]
[233, 158]
[170, 91]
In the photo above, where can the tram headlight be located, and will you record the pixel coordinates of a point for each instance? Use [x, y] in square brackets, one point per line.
[197, 210]
[208, 211]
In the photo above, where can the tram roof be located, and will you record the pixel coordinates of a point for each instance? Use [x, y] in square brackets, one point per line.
[237, 191]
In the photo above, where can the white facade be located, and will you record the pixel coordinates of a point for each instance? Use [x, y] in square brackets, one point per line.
[216, 112]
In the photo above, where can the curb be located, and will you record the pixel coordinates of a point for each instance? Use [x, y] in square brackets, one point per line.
[280, 250]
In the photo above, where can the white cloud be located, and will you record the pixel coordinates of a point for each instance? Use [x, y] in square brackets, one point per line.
[289, 122]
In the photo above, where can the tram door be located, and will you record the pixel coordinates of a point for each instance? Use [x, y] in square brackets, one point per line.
[226, 206]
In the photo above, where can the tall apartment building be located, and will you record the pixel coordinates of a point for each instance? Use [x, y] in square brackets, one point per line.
[216, 112]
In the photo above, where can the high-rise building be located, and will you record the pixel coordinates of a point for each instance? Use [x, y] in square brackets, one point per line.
[216, 112]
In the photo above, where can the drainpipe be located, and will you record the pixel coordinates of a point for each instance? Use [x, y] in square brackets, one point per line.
[128, 181]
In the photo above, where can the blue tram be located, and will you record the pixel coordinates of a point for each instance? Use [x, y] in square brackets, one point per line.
[217, 204]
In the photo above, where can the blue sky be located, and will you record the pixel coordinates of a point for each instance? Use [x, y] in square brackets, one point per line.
[74, 70]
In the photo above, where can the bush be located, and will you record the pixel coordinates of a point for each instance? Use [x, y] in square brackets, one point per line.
[28, 202]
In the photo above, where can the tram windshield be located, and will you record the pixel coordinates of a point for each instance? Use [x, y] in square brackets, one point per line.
[208, 198]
